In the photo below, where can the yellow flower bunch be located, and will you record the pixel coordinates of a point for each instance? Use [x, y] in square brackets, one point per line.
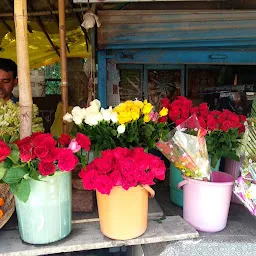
[130, 111]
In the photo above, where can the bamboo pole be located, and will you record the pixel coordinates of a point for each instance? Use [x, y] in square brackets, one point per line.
[25, 91]
[63, 58]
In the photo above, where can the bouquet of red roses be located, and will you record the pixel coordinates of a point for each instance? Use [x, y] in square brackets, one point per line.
[39, 155]
[122, 167]
[185, 147]
[224, 128]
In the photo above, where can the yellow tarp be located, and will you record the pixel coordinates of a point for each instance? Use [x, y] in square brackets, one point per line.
[40, 50]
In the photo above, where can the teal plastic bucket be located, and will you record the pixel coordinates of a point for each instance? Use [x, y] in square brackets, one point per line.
[176, 195]
[216, 167]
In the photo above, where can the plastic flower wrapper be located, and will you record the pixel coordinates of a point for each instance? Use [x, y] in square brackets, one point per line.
[185, 147]
[245, 185]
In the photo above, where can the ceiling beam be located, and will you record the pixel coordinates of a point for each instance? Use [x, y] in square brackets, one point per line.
[11, 7]
[41, 25]
[6, 25]
[43, 13]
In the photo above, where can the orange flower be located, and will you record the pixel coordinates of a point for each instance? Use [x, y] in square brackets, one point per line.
[1, 201]
[1, 214]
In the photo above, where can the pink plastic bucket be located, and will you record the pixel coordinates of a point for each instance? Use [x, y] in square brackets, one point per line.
[206, 204]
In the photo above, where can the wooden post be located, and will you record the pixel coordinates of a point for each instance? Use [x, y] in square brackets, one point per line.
[63, 59]
[25, 91]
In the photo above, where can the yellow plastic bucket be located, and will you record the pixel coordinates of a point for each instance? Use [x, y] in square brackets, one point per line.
[123, 214]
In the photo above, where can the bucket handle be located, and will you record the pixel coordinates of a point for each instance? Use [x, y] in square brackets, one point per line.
[182, 183]
[150, 190]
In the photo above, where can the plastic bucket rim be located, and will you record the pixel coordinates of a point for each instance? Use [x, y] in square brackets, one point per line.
[211, 183]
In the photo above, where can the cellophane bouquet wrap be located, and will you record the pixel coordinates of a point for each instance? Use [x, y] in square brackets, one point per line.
[245, 185]
[185, 147]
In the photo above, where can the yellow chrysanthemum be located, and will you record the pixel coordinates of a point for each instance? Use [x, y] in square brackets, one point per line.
[163, 112]
[146, 118]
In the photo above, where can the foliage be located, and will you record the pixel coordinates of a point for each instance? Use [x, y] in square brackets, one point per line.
[122, 167]
[10, 122]
[37, 156]
[130, 124]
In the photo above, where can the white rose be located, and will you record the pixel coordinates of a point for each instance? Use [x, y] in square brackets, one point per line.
[77, 120]
[92, 109]
[93, 118]
[106, 113]
[113, 117]
[68, 117]
[78, 112]
[121, 128]
[95, 103]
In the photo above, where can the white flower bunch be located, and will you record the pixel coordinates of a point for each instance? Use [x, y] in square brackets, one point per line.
[91, 115]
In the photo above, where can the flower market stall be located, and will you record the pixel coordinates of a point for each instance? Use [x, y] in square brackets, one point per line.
[122, 170]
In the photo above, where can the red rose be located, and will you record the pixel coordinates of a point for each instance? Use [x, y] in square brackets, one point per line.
[242, 129]
[54, 152]
[44, 139]
[212, 124]
[83, 141]
[234, 118]
[226, 125]
[165, 102]
[66, 160]
[194, 110]
[25, 155]
[146, 178]
[5, 151]
[162, 119]
[41, 151]
[185, 113]
[174, 115]
[64, 140]
[203, 107]
[179, 121]
[88, 178]
[103, 184]
[46, 169]
[242, 118]
[201, 121]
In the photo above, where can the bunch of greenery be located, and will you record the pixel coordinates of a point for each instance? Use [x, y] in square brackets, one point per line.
[10, 121]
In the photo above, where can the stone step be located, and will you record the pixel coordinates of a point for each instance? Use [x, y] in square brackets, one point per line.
[87, 236]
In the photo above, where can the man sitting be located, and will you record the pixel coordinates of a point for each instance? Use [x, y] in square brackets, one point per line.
[8, 79]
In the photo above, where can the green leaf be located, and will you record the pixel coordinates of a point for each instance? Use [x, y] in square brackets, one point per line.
[14, 175]
[15, 155]
[34, 174]
[23, 190]
[8, 163]
[2, 171]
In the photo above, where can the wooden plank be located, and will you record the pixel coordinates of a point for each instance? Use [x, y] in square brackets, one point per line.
[138, 27]
[87, 236]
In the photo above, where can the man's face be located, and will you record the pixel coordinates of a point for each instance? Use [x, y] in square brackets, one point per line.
[7, 82]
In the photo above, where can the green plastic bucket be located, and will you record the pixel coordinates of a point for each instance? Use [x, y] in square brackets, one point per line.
[176, 195]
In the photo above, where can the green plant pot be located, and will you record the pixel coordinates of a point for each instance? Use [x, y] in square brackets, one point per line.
[176, 195]
[46, 216]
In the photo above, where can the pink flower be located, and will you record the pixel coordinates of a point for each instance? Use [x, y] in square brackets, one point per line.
[74, 146]
[153, 116]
